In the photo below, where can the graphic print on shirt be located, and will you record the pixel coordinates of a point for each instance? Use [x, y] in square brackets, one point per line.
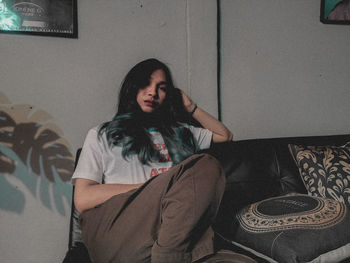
[165, 161]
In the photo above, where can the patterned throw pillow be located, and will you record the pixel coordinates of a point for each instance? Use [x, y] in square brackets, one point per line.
[294, 228]
[325, 170]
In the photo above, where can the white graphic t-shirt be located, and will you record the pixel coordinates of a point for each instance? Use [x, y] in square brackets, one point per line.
[101, 163]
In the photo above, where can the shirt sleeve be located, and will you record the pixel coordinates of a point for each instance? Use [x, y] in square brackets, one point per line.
[90, 164]
[202, 137]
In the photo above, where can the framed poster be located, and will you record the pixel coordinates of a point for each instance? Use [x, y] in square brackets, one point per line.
[39, 17]
[335, 12]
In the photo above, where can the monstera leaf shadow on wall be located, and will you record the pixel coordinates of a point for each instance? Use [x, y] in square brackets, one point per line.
[33, 151]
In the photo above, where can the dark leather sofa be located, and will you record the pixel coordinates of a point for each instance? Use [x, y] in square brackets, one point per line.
[255, 169]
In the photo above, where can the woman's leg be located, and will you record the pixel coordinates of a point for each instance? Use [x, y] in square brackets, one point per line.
[188, 209]
[166, 220]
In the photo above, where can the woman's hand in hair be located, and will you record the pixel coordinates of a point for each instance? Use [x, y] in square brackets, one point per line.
[187, 102]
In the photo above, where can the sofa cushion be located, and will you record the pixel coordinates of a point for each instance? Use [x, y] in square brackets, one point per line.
[227, 256]
[325, 170]
[294, 228]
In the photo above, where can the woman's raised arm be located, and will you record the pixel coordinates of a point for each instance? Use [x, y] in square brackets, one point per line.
[220, 132]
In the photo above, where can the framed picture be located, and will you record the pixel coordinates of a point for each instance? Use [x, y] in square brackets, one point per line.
[39, 17]
[335, 12]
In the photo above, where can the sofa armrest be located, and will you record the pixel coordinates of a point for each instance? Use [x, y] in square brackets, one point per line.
[77, 254]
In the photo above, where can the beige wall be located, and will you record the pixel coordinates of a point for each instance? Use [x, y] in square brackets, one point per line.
[284, 73]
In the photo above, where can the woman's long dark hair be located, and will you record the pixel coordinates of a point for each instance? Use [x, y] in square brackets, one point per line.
[129, 127]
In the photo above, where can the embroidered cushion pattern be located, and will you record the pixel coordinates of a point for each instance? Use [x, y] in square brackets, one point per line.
[325, 170]
[291, 212]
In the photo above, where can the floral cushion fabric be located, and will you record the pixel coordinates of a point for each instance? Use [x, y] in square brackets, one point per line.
[325, 170]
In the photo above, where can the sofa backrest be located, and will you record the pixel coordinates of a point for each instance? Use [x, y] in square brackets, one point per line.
[261, 168]
[74, 229]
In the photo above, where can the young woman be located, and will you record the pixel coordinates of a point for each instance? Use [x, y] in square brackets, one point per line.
[144, 193]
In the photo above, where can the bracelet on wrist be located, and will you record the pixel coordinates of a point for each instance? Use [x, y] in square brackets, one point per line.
[194, 109]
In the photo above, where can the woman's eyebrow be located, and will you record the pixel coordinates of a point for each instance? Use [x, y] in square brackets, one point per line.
[162, 83]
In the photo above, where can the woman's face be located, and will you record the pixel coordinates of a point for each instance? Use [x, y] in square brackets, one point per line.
[151, 97]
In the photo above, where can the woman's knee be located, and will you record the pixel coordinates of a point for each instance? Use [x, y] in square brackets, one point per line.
[211, 161]
[204, 167]
[210, 166]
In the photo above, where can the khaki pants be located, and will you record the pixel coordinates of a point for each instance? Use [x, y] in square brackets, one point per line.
[166, 220]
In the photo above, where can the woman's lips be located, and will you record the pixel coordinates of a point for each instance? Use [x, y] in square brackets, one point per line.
[150, 103]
